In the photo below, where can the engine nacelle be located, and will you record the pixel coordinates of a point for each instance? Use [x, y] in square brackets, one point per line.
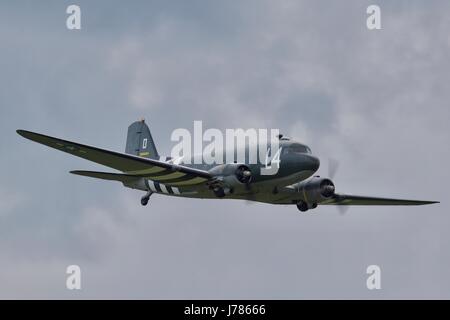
[315, 190]
[235, 176]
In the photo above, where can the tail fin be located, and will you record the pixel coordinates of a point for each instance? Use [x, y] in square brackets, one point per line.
[140, 141]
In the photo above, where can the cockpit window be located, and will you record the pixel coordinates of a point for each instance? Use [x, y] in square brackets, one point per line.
[296, 148]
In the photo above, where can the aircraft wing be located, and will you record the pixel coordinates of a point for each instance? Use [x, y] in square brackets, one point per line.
[125, 178]
[160, 171]
[351, 200]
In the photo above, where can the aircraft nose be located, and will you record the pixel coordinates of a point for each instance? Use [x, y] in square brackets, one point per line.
[312, 162]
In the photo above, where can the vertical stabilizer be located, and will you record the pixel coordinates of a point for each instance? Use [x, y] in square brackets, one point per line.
[140, 141]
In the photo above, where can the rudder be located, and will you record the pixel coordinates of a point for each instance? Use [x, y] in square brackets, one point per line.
[140, 141]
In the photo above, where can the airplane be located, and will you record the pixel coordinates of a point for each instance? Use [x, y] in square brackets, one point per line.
[142, 168]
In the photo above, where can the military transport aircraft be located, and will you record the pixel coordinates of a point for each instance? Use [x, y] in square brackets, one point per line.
[142, 168]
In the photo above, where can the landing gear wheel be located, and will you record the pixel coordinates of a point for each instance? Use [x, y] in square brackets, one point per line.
[219, 192]
[302, 206]
[144, 199]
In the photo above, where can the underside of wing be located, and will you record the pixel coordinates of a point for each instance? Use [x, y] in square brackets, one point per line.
[125, 178]
[351, 200]
[160, 171]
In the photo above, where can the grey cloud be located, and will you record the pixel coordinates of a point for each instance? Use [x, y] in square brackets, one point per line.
[377, 101]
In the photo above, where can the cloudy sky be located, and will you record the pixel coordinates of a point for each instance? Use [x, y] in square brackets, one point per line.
[376, 100]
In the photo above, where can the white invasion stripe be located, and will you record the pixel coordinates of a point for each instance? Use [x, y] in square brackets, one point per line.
[163, 188]
[151, 184]
[175, 190]
[162, 158]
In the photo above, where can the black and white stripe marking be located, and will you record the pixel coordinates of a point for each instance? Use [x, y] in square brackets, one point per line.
[161, 188]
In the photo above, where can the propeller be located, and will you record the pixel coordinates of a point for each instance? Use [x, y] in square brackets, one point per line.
[341, 208]
[244, 175]
[333, 166]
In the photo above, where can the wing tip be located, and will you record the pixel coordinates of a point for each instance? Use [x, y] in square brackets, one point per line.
[430, 202]
[343, 199]
[25, 133]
